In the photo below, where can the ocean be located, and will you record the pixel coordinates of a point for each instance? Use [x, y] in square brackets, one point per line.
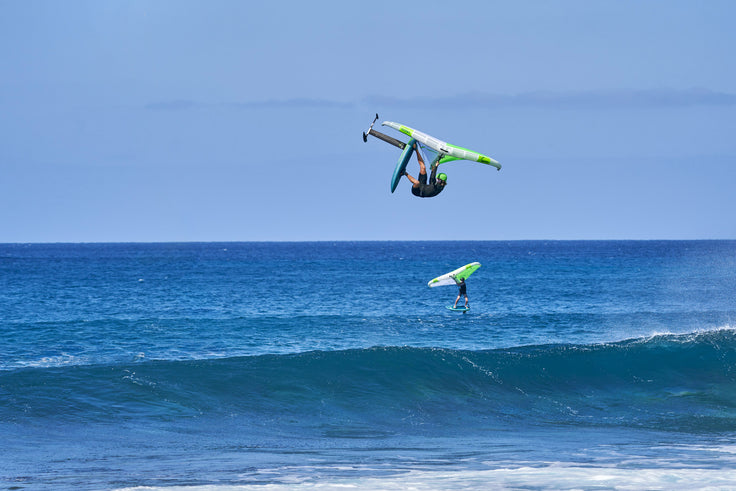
[268, 366]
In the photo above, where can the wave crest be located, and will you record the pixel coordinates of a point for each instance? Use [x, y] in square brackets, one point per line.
[666, 382]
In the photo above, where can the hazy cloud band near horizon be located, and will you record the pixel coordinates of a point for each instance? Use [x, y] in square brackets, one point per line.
[592, 100]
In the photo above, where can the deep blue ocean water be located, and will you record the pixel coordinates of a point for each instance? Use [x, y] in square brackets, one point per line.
[581, 365]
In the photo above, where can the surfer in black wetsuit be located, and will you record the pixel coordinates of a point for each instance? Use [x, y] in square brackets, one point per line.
[463, 291]
[419, 187]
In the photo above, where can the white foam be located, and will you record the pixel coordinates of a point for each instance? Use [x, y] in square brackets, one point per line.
[63, 359]
[551, 476]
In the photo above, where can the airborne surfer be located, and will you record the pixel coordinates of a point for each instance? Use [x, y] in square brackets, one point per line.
[445, 152]
[420, 187]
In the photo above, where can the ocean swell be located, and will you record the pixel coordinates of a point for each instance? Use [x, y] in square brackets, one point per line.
[664, 382]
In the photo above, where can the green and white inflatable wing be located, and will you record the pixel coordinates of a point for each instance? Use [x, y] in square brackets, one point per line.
[449, 278]
[446, 151]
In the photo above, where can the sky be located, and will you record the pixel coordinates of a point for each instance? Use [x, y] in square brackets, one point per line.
[180, 120]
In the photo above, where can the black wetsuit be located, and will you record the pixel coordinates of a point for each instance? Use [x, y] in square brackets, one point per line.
[425, 190]
[463, 288]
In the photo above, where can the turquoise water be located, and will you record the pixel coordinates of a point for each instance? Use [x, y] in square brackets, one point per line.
[580, 364]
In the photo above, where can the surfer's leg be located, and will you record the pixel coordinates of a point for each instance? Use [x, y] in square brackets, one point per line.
[415, 186]
[422, 167]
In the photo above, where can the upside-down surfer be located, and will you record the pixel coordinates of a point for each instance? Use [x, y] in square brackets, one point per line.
[420, 187]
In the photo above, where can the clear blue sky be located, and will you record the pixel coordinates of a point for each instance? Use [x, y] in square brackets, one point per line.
[175, 120]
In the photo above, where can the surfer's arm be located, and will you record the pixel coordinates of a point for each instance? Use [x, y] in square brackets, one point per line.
[433, 174]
